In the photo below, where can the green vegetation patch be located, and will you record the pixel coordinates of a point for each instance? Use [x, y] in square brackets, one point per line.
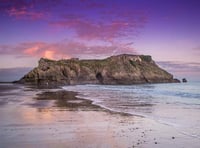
[146, 58]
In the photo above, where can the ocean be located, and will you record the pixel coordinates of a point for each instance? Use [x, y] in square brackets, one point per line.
[174, 104]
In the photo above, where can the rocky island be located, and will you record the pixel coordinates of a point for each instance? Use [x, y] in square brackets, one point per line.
[120, 69]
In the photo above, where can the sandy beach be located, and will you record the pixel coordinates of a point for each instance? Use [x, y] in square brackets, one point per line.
[57, 118]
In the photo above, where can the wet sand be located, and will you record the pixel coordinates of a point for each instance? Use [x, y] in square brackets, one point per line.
[57, 118]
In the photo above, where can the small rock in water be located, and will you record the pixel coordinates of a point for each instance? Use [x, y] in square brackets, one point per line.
[173, 137]
[184, 80]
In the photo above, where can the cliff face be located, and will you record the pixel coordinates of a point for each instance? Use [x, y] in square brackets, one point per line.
[121, 69]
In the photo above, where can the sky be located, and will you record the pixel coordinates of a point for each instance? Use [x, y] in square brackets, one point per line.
[168, 30]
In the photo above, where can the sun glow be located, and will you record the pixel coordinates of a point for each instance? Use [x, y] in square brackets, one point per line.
[49, 54]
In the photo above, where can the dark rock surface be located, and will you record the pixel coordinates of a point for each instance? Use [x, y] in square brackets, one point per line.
[120, 69]
[184, 80]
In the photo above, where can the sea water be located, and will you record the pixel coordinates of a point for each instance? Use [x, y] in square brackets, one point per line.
[172, 104]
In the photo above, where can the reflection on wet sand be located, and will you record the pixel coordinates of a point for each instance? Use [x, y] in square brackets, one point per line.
[32, 115]
[60, 119]
[66, 100]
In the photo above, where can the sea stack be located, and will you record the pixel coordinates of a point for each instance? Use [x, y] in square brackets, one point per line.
[120, 69]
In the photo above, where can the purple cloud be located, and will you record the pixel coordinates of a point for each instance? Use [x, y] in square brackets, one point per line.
[95, 20]
[103, 25]
[197, 50]
[24, 13]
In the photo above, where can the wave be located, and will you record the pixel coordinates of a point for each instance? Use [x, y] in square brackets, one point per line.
[163, 103]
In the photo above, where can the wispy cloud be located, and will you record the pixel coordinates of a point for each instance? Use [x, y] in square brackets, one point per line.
[87, 30]
[182, 69]
[24, 13]
[88, 19]
[180, 66]
[197, 48]
[23, 9]
[103, 24]
[196, 51]
[65, 49]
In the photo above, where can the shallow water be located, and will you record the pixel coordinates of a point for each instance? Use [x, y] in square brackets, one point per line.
[56, 118]
[176, 105]
[35, 117]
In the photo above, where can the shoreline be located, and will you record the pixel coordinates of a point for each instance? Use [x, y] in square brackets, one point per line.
[57, 118]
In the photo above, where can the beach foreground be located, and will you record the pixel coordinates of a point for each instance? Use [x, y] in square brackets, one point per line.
[33, 117]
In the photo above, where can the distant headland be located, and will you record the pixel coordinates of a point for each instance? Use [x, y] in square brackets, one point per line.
[119, 69]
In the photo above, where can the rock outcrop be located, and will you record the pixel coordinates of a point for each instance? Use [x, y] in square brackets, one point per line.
[184, 80]
[120, 69]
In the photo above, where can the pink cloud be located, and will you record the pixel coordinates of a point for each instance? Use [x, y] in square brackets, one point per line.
[66, 50]
[90, 20]
[31, 50]
[88, 30]
[99, 21]
[24, 13]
